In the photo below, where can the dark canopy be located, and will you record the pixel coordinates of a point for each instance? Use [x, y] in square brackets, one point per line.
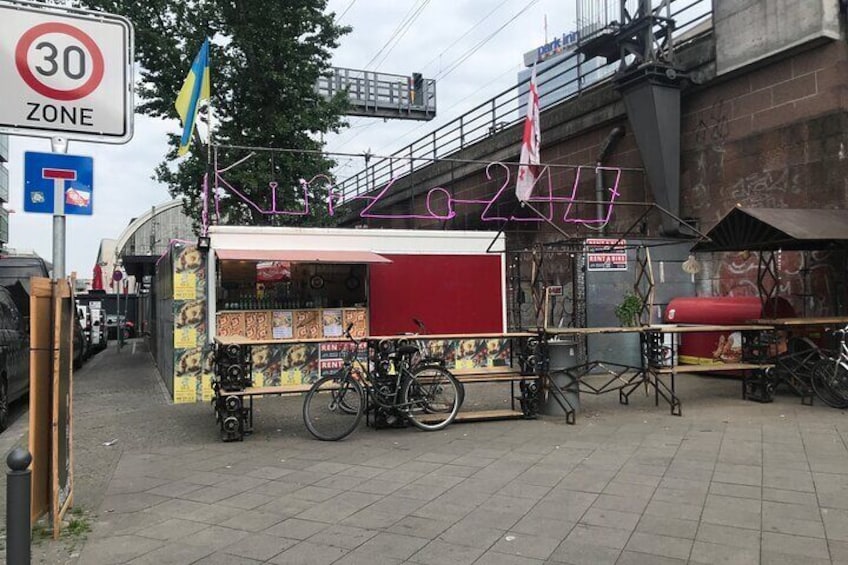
[770, 229]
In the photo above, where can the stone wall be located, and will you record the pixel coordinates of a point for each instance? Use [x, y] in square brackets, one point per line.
[775, 137]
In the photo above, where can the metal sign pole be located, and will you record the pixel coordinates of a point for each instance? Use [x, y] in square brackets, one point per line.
[59, 145]
[119, 327]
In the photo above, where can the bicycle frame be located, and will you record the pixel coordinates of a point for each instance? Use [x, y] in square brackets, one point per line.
[353, 364]
[842, 357]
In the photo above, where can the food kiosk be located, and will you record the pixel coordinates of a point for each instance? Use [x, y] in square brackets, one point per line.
[289, 288]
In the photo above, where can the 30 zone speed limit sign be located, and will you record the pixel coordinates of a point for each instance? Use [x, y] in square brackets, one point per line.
[65, 73]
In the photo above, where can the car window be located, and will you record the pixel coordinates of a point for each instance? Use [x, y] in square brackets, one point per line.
[20, 269]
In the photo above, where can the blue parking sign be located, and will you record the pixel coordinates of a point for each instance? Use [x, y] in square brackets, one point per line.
[55, 183]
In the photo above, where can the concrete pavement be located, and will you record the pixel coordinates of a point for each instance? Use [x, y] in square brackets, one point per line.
[732, 481]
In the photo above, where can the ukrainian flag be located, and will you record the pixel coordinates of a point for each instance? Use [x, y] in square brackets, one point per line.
[195, 88]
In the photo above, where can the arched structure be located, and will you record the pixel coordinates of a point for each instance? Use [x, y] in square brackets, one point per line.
[148, 236]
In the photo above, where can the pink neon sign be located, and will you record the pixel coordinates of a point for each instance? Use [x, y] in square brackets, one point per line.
[437, 195]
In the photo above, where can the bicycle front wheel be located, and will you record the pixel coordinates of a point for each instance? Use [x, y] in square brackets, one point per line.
[432, 396]
[828, 380]
[333, 407]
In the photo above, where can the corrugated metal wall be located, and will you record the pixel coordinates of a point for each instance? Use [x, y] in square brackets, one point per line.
[162, 321]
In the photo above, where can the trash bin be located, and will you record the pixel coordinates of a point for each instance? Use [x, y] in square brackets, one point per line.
[563, 354]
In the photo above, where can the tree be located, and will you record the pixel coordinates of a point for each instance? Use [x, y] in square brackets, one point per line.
[265, 58]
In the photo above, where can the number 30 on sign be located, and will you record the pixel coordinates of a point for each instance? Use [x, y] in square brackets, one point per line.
[66, 73]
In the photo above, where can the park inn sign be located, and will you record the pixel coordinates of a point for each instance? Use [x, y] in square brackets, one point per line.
[557, 46]
[65, 73]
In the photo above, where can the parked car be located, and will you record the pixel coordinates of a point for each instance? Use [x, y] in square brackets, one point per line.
[19, 267]
[112, 327]
[96, 327]
[81, 346]
[14, 351]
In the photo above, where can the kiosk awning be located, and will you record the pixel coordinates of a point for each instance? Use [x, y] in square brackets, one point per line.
[770, 229]
[301, 256]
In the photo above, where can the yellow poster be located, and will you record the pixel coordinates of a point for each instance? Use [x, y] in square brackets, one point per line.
[291, 377]
[206, 391]
[185, 338]
[258, 379]
[464, 363]
[185, 390]
[185, 286]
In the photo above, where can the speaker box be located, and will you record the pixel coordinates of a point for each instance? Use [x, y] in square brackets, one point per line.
[232, 367]
[234, 418]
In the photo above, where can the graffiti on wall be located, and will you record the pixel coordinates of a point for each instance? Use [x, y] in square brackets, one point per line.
[764, 189]
[805, 281]
[714, 125]
[711, 133]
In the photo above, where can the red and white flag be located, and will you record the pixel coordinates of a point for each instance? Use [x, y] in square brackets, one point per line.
[528, 168]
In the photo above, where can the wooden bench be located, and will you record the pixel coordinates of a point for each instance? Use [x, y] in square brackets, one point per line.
[269, 390]
[712, 368]
[496, 374]
[465, 376]
[756, 388]
[489, 375]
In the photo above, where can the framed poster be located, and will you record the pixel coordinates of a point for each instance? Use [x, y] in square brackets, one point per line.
[282, 324]
[332, 322]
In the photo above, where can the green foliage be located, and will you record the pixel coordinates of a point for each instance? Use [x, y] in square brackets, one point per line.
[77, 527]
[628, 311]
[265, 58]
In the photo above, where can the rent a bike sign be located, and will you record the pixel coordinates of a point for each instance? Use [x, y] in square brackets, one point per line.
[65, 73]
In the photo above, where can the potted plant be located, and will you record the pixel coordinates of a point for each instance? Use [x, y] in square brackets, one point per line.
[628, 311]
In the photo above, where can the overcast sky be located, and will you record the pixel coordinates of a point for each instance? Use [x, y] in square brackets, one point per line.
[443, 33]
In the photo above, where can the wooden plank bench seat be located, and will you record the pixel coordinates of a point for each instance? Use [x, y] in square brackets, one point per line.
[712, 368]
[489, 375]
[498, 374]
[480, 415]
[269, 390]
[477, 375]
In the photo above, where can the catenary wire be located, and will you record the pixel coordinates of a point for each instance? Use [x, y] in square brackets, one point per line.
[409, 14]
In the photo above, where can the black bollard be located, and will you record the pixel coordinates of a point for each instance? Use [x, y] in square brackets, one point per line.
[18, 525]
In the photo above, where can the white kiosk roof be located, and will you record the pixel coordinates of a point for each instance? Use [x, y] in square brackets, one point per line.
[260, 243]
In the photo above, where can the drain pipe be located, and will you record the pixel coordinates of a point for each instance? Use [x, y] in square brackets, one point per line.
[606, 148]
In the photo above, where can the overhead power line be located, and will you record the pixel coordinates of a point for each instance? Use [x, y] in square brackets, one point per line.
[345, 11]
[402, 33]
[485, 85]
[464, 35]
[465, 56]
[410, 16]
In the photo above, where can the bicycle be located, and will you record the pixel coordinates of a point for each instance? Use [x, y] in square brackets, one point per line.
[425, 395]
[830, 374]
[423, 356]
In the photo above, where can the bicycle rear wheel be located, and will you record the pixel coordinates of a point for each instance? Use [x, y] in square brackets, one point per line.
[333, 407]
[829, 380]
[433, 396]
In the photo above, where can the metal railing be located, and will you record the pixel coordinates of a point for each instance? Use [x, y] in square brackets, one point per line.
[570, 72]
[381, 94]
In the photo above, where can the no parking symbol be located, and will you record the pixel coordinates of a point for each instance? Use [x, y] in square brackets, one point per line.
[65, 73]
